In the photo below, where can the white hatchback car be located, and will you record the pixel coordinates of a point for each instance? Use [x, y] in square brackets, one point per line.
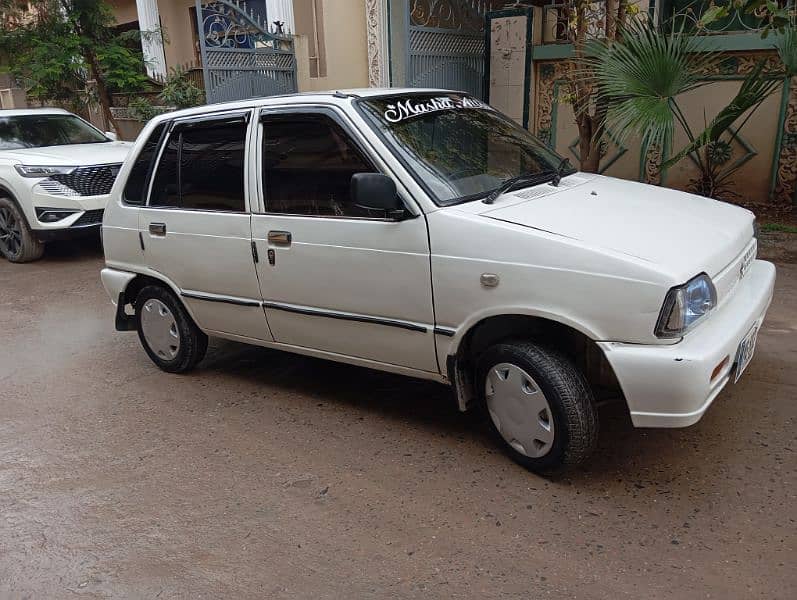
[423, 233]
[56, 171]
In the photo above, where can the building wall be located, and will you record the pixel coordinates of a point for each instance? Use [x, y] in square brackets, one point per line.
[344, 51]
[755, 147]
[179, 29]
[124, 10]
[340, 31]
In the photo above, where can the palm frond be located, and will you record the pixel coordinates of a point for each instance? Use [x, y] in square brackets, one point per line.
[640, 76]
[786, 45]
[755, 88]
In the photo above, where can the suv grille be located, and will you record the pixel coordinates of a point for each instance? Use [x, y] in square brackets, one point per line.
[90, 217]
[83, 181]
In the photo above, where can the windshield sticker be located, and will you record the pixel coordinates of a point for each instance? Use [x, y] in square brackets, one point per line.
[407, 108]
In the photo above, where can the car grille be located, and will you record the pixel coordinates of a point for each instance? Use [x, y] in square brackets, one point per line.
[96, 180]
[90, 217]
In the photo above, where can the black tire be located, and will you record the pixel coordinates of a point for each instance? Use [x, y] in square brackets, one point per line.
[193, 343]
[567, 393]
[18, 244]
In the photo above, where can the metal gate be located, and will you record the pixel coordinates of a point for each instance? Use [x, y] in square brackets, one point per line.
[242, 55]
[446, 44]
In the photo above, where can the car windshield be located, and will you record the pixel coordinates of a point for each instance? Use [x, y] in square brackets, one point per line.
[37, 131]
[457, 147]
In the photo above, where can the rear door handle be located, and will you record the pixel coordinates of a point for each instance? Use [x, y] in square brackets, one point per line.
[279, 238]
[157, 229]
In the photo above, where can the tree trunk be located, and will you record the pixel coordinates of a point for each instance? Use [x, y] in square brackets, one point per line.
[102, 91]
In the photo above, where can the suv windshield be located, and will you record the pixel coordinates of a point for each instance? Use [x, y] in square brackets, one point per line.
[456, 146]
[36, 131]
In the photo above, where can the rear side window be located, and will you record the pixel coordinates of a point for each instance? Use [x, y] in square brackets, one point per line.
[136, 186]
[202, 168]
[165, 190]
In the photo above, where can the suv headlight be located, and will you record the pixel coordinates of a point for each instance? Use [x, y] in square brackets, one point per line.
[42, 171]
[685, 305]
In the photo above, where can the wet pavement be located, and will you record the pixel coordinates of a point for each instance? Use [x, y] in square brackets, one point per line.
[264, 474]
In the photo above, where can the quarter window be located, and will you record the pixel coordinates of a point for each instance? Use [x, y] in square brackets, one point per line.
[308, 162]
[137, 180]
[202, 168]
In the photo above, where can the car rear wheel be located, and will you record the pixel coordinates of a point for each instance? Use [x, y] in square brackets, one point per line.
[17, 242]
[539, 405]
[169, 335]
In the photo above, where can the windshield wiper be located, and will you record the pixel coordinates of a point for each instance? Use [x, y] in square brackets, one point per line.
[526, 178]
[557, 177]
[552, 177]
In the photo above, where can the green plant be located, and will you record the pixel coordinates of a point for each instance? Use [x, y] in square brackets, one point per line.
[56, 47]
[584, 19]
[779, 227]
[773, 15]
[180, 91]
[642, 76]
[141, 109]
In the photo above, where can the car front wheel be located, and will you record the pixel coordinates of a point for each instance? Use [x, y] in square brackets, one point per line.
[169, 335]
[17, 242]
[539, 405]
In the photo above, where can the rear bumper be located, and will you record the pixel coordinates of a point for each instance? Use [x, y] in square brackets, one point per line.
[671, 386]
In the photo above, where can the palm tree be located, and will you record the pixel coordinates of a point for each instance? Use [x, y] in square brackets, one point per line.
[642, 76]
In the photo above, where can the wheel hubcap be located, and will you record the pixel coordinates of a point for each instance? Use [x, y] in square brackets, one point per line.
[160, 329]
[519, 410]
[10, 232]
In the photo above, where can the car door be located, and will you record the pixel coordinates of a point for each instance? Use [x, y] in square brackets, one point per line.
[196, 227]
[333, 276]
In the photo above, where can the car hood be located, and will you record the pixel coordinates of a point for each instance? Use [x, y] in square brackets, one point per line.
[70, 155]
[682, 233]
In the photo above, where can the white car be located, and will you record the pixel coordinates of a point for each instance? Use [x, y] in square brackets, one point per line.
[56, 171]
[421, 232]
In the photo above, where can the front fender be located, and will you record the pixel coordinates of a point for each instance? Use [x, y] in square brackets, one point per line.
[474, 319]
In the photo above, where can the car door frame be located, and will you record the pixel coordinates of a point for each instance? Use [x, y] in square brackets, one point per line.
[212, 310]
[373, 156]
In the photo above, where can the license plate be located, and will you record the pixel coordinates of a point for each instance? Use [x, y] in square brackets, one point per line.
[745, 352]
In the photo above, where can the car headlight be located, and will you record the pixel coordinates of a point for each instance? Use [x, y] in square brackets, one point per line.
[685, 305]
[42, 171]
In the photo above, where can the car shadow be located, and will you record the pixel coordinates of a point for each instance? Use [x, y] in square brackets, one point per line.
[88, 247]
[622, 450]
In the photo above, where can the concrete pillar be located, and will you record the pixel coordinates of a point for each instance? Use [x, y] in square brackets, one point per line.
[152, 41]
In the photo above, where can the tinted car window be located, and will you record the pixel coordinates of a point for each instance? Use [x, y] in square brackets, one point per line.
[308, 162]
[212, 167]
[202, 168]
[134, 192]
[165, 190]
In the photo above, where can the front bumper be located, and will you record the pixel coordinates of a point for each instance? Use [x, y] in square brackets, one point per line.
[86, 221]
[671, 386]
[67, 233]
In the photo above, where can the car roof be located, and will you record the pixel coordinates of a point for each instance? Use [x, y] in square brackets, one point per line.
[303, 97]
[14, 112]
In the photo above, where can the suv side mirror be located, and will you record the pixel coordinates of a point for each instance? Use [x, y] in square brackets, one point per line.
[376, 191]
[111, 136]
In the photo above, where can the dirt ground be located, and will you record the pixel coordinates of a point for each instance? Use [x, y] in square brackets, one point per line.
[266, 475]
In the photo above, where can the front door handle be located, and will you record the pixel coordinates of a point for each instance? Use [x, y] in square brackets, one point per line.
[157, 229]
[279, 238]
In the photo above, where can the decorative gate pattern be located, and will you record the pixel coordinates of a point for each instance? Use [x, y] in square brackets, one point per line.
[242, 56]
[446, 44]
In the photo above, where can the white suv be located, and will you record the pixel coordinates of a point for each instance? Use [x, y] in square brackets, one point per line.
[423, 233]
[56, 171]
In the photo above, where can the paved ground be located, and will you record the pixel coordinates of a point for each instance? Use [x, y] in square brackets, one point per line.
[268, 475]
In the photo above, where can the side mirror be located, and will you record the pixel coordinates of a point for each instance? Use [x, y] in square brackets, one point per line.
[111, 136]
[376, 192]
